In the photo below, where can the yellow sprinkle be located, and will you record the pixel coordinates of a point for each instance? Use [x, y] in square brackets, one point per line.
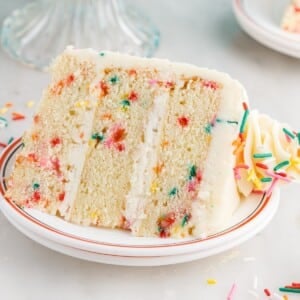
[30, 104]
[124, 108]
[294, 161]
[92, 143]
[3, 110]
[94, 215]
[211, 281]
[253, 178]
[154, 187]
[175, 230]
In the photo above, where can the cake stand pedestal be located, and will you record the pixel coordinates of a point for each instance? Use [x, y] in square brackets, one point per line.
[38, 32]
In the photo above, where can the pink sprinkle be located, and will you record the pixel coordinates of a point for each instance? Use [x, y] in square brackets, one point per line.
[153, 81]
[231, 292]
[191, 187]
[278, 176]
[271, 188]
[288, 138]
[210, 84]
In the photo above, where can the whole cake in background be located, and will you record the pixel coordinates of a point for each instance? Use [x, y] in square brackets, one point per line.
[162, 149]
[291, 18]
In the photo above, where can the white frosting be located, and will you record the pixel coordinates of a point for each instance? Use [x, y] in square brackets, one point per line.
[146, 157]
[218, 197]
[266, 136]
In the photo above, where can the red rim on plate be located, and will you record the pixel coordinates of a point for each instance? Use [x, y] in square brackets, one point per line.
[11, 150]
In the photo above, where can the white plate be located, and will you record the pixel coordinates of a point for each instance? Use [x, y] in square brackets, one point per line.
[115, 246]
[261, 19]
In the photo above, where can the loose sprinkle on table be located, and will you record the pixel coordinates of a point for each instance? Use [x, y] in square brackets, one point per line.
[30, 104]
[17, 116]
[10, 140]
[3, 122]
[267, 292]
[211, 281]
[231, 292]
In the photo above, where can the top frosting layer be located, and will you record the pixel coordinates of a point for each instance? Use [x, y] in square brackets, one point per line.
[267, 152]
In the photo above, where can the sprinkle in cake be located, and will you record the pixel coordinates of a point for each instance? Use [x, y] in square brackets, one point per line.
[159, 148]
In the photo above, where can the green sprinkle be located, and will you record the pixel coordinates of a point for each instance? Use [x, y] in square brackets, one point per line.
[10, 140]
[244, 120]
[3, 122]
[101, 53]
[266, 179]
[287, 132]
[232, 122]
[298, 136]
[97, 136]
[35, 186]
[125, 103]
[228, 121]
[281, 165]
[185, 220]
[290, 290]
[173, 191]
[208, 128]
[192, 172]
[262, 155]
[114, 79]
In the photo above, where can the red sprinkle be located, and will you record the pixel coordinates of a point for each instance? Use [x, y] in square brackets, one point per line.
[245, 106]
[262, 166]
[2, 145]
[183, 121]
[133, 96]
[120, 147]
[70, 79]
[55, 141]
[36, 196]
[267, 292]
[32, 157]
[282, 174]
[17, 116]
[104, 88]
[118, 135]
[61, 196]
[296, 284]
[132, 72]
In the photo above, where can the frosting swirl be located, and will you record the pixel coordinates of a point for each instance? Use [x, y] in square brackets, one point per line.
[267, 152]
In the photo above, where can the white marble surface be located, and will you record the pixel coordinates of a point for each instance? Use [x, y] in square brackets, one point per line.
[207, 35]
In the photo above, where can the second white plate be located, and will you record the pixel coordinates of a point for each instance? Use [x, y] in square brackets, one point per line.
[261, 20]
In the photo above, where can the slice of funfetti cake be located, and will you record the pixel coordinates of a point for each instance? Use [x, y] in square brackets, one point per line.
[135, 143]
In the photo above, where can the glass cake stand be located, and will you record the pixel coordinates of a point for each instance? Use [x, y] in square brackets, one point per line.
[36, 33]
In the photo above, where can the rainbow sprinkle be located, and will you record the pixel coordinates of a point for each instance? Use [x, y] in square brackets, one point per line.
[211, 281]
[10, 140]
[173, 191]
[287, 132]
[114, 79]
[3, 122]
[262, 155]
[231, 292]
[245, 117]
[281, 165]
[35, 186]
[185, 220]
